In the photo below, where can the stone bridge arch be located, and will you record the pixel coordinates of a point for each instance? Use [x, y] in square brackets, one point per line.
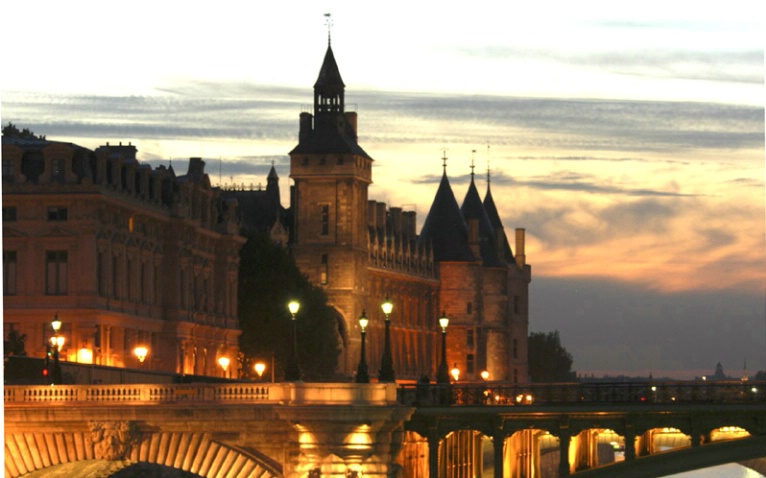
[197, 453]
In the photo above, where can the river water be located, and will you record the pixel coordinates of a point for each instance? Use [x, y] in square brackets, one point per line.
[731, 470]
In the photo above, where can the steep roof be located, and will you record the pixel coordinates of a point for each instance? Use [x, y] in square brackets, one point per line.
[329, 73]
[473, 210]
[494, 219]
[445, 229]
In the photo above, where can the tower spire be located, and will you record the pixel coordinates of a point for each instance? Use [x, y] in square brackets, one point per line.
[488, 181]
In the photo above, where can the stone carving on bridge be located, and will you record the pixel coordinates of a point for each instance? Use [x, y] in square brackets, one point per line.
[112, 440]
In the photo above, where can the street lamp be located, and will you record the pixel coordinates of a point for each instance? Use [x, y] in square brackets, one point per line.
[455, 372]
[484, 375]
[362, 375]
[224, 363]
[293, 371]
[259, 367]
[387, 362]
[141, 352]
[443, 375]
[57, 343]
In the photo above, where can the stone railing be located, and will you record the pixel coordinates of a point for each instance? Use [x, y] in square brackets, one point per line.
[499, 393]
[376, 394]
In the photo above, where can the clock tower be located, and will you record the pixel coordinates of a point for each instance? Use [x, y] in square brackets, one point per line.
[332, 174]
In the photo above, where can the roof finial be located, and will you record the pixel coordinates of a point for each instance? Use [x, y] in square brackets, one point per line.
[328, 22]
[444, 159]
[488, 165]
[473, 152]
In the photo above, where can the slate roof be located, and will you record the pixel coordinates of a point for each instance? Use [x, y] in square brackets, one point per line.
[473, 209]
[445, 229]
[497, 224]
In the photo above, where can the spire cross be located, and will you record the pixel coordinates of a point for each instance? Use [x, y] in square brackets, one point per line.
[328, 22]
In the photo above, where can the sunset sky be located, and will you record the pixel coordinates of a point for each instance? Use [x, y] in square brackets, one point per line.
[627, 138]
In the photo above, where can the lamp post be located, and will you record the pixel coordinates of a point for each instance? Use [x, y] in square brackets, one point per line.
[224, 363]
[141, 352]
[362, 375]
[442, 375]
[387, 362]
[259, 367]
[455, 372]
[293, 371]
[57, 343]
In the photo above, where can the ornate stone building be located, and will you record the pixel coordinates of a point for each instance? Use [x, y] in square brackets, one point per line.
[126, 255]
[361, 252]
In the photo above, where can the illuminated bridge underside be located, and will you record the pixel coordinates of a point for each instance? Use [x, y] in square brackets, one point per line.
[195, 453]
[750, 452]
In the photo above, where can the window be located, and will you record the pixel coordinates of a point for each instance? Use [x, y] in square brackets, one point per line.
[56, 213]
[56, 272]
[325, 220]
[469, 338]
[9, 214]
[515, 348]
[325, 269]
[515, 304]
[469, 308]
[9, 272]
[8, 169]
[305, 161]
[469, 364]
[57, 170]
[515, 376]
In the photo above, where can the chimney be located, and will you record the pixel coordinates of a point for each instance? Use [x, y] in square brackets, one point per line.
[351, 120]
[409, 224]
[395, 220]
[305, 126]
[371, 216]
[521, 258]
[380, 215]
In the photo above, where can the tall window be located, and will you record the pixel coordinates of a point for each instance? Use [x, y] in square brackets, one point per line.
[470, 364]
[515, 348]
[56, 272]
[469, 338]
[469, 308]
[325, 269]
[9, 272]
[8, 166]
[325, 219]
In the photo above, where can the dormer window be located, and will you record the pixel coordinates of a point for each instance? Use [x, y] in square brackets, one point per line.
[57, 170]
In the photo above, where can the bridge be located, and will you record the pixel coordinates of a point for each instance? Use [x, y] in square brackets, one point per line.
[381, 430]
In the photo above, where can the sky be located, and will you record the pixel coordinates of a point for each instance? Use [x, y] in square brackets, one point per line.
[627, 138]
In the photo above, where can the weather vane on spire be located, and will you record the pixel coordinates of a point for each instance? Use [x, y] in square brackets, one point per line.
[328, 22]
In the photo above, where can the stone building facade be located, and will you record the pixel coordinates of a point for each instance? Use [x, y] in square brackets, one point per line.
[362, 252]
[125, 254]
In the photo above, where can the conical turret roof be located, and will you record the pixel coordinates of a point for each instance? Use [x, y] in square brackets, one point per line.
[329, 74]
[494, 218]
[473, 210]
[445, 229]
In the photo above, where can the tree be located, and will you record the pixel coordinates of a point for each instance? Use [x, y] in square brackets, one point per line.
[549, 361]
[15, 344]
[11, 131]
[268, 280]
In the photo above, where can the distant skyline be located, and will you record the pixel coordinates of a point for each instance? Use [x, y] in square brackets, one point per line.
[627, 140]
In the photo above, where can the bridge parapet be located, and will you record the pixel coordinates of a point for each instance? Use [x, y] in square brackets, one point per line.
[597, 393]
[137, 394]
